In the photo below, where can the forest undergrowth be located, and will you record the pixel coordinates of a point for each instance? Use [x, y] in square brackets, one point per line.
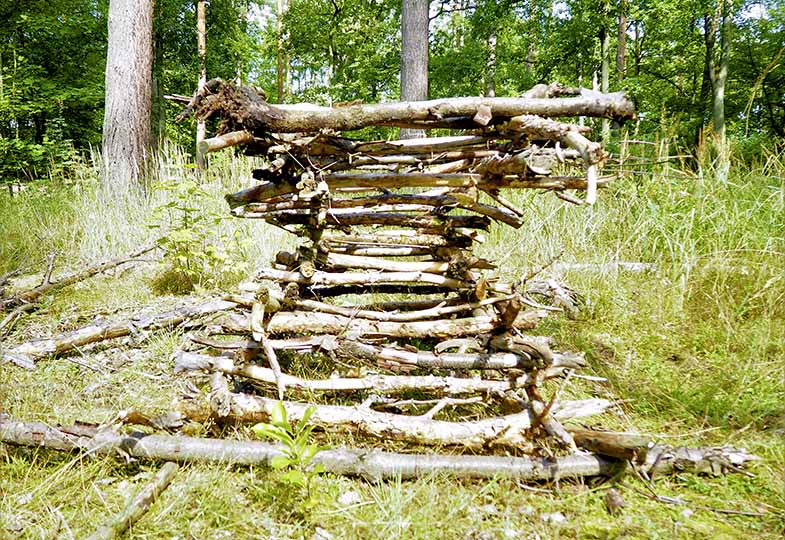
[693, 347]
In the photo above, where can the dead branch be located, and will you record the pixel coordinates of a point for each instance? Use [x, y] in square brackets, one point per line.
[34, 294]
[26, 354]
[243, 106]
[507, 431]
[383, 384]
[138, 506]
[370, 464]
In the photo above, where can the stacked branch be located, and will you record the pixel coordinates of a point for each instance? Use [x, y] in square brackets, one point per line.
[398, 218]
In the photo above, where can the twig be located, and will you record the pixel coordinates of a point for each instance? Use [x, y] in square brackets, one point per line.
[654, 496]
[541, 269]
[139, 506]
[49, 268]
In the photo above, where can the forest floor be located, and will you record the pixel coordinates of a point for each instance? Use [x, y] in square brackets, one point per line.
[694, 348]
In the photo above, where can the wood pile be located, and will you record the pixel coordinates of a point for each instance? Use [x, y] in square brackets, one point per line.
[384, 282]
[382, 321]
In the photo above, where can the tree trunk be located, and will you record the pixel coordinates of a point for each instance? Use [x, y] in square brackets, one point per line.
[722, 24]
[621, 46]
[414, 56]
[280, 10]
[127, 118]
[490, 83]
[605, 42]
[158, 109]
[201, 49]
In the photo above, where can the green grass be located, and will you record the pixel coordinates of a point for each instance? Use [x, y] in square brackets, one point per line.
[695, 349]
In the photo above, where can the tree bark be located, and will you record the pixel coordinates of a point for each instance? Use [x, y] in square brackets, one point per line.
[621, 45]
[128, 109]
[721, 26]
[605, 45]
[201, 51]
[414, 56]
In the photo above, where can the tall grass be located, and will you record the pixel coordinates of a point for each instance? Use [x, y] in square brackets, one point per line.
[86, 224]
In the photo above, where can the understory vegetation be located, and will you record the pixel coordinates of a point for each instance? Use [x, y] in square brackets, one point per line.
[692, 345]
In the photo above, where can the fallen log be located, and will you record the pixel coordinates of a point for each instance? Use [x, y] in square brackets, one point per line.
[369, 464]
[511, 431]
[138, 506]
[26, 354]
[31, 295]
[243, 106]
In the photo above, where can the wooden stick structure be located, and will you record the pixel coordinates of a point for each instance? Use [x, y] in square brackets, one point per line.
[383, 305]
[384, 280]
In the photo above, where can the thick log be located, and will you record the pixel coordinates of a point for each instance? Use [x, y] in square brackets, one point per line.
[324, 323]
[243, 106]
[26, 354]
[394, 161]
[224, 141]
[508, 431]
[363, 251]
[138, 506]
[381, 288]
[537, 127]
[369, 464]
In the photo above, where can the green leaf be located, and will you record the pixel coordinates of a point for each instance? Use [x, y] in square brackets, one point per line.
[295, 477]
[267, 431]
[280, 462]
[278, 416]
[307, 416]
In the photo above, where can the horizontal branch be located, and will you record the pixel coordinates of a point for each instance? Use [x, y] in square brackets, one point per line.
[508, 431]
[243, 106]
[26, 354]
[379, 384]
[370, 464]
[267, 190]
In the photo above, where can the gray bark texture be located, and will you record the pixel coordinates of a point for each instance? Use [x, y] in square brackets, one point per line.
[414, 56]
[127, 132]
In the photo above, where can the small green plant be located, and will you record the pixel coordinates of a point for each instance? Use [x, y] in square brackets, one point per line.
[298, 451]
[195, 250]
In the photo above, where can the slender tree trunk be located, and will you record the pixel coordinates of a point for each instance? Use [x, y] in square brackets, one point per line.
[201, 50]
[490, 83]
[414, 56]
[718, 68]
[127, 117]
[621, 46]
[605, 45]
[280, 68]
